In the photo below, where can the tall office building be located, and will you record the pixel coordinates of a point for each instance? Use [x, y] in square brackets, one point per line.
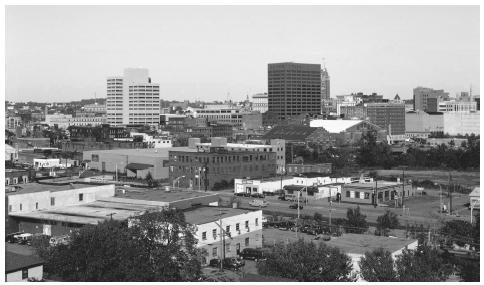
[132, 99]
[325, 86]
[294, 88]
[389, 116]
[427, 99]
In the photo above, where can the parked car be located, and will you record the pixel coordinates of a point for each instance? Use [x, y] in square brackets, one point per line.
[246, 194]
[59, 240]
[294, 206]
[12, 237]
[24, 238]
[257, 195]
[282, 197]
[258, 203]
[239, 194]
[253, 254]
[228, 263]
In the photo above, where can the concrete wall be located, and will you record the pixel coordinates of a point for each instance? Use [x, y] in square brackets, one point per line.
[462, 123]
[158, 171]
[42, 200]
[34, 272]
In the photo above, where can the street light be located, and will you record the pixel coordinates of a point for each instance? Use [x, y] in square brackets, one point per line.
[440, 186]
[177, 180]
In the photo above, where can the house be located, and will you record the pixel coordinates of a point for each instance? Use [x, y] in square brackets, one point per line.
[475, 198]
[20, 267]
[11, 153]
[355, 246]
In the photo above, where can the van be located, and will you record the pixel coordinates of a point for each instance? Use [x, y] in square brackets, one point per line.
[253, 254]
[24, 238]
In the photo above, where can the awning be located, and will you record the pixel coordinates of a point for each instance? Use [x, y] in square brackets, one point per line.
[138, 166]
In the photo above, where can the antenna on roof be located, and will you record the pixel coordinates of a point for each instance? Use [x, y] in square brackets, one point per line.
[324, 62]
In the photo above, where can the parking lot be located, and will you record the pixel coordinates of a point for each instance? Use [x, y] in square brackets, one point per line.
[422, 209]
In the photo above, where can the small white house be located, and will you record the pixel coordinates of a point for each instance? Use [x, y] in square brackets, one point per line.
[49, 163]
[475, 198]
[20, 268]
[11, 153]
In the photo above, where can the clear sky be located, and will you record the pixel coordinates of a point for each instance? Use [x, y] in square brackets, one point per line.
[64, 53]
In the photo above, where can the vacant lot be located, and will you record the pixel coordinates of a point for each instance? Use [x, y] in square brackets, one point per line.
[470, 179]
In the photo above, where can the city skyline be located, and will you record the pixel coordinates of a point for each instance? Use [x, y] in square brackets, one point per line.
[223, 52]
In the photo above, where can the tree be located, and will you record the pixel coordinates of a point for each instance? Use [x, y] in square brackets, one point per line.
[385, 222]
[378, 266]
[422, 265]
[158, 246]
[318, 217]
[460, 232]
[149, 179]
[308, 262]
[355, 221]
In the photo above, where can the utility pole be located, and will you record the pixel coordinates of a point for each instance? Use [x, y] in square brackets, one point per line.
[330, 211]
[450, 194]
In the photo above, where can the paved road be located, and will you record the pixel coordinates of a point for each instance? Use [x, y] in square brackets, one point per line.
[423, 209]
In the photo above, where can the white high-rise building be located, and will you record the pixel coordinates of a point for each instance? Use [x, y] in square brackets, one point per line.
[132, 99]
[260, 102]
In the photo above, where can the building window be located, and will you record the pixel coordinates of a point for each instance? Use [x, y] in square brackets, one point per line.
[214, 233]
[20, 207]
[52, 201]
[204, 236]
[9, 208]
[227, 229]
[246, 224]
[81, 197]
[214, 252]
[95, 158]
[25, 273]
[347, 194]
[256, 221]
[367, 195]
[246, 241]
[237, 227]
[36, 205]
[357, 194]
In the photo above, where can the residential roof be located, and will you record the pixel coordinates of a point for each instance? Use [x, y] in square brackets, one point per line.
[476, 192]
[15, 262]
[203, 215]
[359, 244]
[138, 166]
[334, 126]
[290, 132]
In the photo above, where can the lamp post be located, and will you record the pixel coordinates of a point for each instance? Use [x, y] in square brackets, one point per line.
[177, 180]
[440, 186]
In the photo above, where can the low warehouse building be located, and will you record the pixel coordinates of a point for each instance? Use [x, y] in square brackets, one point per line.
[375, 192]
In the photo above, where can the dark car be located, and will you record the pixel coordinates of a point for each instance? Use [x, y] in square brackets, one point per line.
[239, 194]
[12, 238]
[246, 194]
[282, 197]
[253, 254]
[228, 263]
[257, 195]
[294, 206]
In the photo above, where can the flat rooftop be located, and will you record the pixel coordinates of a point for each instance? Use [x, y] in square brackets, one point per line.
[163, 196]
[37, 187]
[359, 244]
[151, 152]
[91, 213]
[203, 215]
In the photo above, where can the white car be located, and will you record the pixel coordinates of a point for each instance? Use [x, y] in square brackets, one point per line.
[258, 203]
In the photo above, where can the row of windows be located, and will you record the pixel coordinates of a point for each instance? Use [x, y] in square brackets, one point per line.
[227, 229]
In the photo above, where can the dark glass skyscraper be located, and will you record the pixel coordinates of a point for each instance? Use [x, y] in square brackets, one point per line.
[294, 88]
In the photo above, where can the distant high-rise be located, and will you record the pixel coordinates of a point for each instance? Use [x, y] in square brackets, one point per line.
[427, 99]
[325, 86]
[294, 88]
[389, 116]
[132, 99]
[260, 103]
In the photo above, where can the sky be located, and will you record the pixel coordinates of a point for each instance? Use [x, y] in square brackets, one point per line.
[65, 53]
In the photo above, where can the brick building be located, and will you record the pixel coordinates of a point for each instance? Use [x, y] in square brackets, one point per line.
[204, 170]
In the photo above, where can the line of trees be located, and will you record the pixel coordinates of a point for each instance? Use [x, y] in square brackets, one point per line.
[157, 246]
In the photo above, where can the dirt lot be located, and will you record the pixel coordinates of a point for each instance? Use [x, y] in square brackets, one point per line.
[466, 178]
